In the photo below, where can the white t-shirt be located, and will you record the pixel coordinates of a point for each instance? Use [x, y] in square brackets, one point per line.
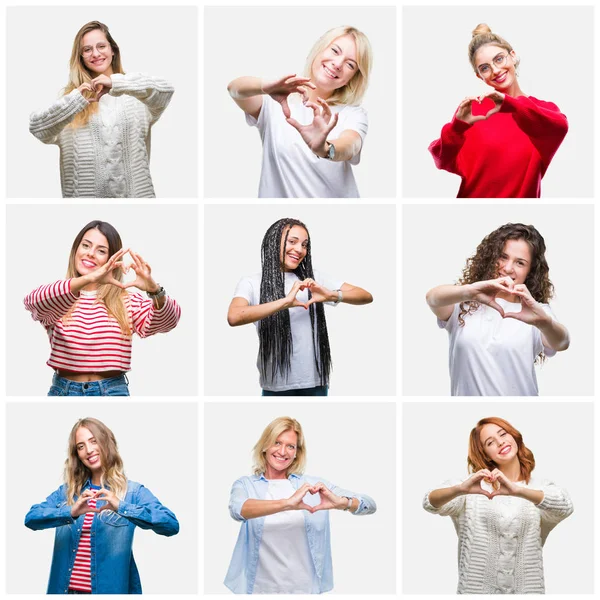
[284, 562]
[303, 370]
[289, 168]
[492, 356]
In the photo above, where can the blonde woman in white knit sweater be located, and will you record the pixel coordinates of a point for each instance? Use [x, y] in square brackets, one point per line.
[102, 123]
[502, 516]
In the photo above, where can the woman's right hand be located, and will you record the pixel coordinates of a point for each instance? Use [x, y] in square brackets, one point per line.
[104, 274]
[81, 504]
[291, 300]
[485, 292]
[464, 113]
[472, 485]
[280, 89]
[296, 501]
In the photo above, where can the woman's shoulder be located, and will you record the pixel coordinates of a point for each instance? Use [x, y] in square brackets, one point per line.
[544, 103]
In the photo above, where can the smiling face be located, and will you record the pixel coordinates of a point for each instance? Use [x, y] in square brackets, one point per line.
[336, 65]
[515, 260]
[88, 450]
[296, 247]
[97, 53]
[498, 445]
[92, 252]
[281, 455]
[496, 66]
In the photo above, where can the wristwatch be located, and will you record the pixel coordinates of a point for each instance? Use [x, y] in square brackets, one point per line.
[349, 503]
[339, 298]
[330, 151]
[159, 293]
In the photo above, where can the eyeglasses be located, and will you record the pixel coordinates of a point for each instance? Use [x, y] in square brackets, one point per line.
[102, 47]
[499, 61]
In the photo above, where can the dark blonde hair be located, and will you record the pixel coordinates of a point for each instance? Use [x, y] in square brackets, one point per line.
[482, 36]
[478, 459]
[269, 436]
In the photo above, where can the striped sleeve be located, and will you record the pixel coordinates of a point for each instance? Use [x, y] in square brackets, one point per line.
[147, 320]
[49, 303]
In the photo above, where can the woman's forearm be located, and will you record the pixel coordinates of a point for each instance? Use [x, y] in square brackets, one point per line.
[354, 295]
[242, 315]
[447, 295]
[535, 496]
[253, 509]
[439, 497]
[555, 334]
[245, 87]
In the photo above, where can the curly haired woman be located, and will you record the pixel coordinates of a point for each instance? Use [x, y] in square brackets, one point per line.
[498, 316]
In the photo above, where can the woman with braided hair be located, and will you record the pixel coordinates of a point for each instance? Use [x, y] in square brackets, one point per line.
[286, 303]
[498, 317]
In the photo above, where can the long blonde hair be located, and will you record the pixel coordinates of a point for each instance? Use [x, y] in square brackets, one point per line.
[272, 431]
[111, 296]
[78, 73]
[352, 93]
[76, 473]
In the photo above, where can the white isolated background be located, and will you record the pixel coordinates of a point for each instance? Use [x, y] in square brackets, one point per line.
[355, 243]
[560, 435]
[342, 442]
[270, 42]
[437, 240]
[555, 44]
[159, 448]
[155, 40]
[39, 239]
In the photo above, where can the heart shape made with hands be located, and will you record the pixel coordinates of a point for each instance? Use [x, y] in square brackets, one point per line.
[483, 108]
[489, 485]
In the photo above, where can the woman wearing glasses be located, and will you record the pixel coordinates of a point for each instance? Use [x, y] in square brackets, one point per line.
[500, 143]
[102, 123]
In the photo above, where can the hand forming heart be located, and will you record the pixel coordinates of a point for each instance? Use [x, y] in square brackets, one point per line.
[532, 311]
[489, 484]
[485, 292]
[479, 108]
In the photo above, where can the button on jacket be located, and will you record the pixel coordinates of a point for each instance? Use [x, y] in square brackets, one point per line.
[244, 562]
[113, 568]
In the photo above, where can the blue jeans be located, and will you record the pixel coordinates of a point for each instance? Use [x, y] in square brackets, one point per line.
[320, 390]
[113, 386]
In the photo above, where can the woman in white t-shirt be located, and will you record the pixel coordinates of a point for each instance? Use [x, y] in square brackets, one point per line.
[285, 302]
[501, 515]
[498, 316]
[309, 146]
[284, 545]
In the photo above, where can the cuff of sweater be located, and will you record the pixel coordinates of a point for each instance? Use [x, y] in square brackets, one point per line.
[458, 126]
[428, 506]
[509, 104]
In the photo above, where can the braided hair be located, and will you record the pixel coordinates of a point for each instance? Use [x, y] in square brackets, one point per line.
[274, 332]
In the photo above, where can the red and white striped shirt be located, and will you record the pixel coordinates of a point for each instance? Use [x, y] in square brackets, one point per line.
[91, 340]
[81, 579]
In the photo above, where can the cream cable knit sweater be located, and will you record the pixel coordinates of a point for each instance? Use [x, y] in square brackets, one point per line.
[109, 156]
[500, 540]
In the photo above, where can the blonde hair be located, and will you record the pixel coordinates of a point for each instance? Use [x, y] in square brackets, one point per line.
[482, 36]
[352, 93]
[111, 296]
[76, 473]
[269, 436]
[78, 73]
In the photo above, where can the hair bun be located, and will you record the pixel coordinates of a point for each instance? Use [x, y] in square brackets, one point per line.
[481, 29]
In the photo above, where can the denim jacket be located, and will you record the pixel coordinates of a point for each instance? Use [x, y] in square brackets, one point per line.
[244, 562]
[113, 568]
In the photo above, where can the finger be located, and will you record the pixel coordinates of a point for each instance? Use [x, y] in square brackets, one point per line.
[285, 79]
[333, 122]
[303, 506]
[294, 124]
[286, 109]
[493, 304]
[315, 108]
[513, 315]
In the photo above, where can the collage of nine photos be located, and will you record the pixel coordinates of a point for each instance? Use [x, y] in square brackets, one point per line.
[385, 205]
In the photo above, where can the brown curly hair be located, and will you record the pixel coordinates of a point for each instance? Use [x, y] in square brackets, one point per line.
[483, 265]
[478, 459]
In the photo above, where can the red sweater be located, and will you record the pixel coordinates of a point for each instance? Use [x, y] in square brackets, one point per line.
[506, 155]
[91, 341]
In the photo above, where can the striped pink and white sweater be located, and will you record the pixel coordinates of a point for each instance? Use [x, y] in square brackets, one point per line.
[91, 340]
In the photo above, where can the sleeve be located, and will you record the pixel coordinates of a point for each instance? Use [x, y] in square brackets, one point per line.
[147, 512]
[366, 504]
[555, 507]
[154, 92]
[353, 118]
[53, 512]
[50, 303]
[264, 114]
[451, 322]
[541, 121]
[451, 509]
[46, 125]
[148, 320]
[244, 289]
[237, 497]
[446, 149]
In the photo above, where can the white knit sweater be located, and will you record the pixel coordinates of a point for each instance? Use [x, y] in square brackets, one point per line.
[500, 540]
[109, 156]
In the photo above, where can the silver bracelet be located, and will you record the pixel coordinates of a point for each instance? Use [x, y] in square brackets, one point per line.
[159, 293]
[349, 503]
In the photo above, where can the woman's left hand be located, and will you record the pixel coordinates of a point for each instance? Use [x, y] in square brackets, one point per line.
[532, 312]
[318, 293]
[329, 500]
[101, 85]
[315, 133]
[142, 269]
[507, 487]
[112, 502]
